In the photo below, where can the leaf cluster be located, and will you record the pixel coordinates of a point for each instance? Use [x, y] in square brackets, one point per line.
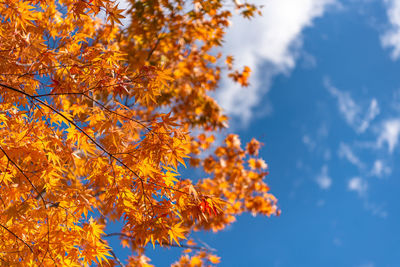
[96, 119]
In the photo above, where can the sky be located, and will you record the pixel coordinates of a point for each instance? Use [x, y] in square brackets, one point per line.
[324, 99]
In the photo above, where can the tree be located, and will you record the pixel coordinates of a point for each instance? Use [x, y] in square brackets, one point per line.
[95, 120]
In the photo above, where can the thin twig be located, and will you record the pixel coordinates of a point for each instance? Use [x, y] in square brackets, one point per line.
[114, 255]
[20, 239]
[90, 138]
[23, 173]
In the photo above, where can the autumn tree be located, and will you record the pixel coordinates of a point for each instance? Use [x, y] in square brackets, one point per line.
[97, 117]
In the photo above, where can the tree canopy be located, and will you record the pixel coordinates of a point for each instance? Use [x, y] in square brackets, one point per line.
[97, 118]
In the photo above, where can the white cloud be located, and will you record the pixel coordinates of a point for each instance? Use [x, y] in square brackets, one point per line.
[358, 185]
[380, 169]
[389, 134]
[323, 131]
[372, 112]
[375, 209]
[346, 152]
[352, 112]
[308, 60]
[323, 179]
[274, 39]
[308, 142]
[391, 38]
[347, 106]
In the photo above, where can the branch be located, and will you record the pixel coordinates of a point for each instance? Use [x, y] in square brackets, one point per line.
[20, 239]
[90, 138]
[153, 49]
[23, 173]
[114, 255]
[116, 258]
[155, 46]
[97, 102]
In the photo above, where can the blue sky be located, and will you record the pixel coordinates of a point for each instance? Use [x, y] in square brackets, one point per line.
[325, 100]
[331, 134]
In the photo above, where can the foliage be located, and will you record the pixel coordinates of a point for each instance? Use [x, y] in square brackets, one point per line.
[96, 118]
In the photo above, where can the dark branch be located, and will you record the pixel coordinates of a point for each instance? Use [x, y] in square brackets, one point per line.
[23, 173]
[17, 237]
[89, 137]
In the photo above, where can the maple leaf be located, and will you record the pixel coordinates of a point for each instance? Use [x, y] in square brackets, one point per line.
[114, 14]
[97, 122]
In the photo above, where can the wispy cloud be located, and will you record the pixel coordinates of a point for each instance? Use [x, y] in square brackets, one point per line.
[351, 111]
[275, 39]
[391, 38]
[346, 152]
[372, 112]
[323, 180]
[358, 185]
[375, 209]
[380, 169]
[389, 134]
[310, 144]
[323, 130]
